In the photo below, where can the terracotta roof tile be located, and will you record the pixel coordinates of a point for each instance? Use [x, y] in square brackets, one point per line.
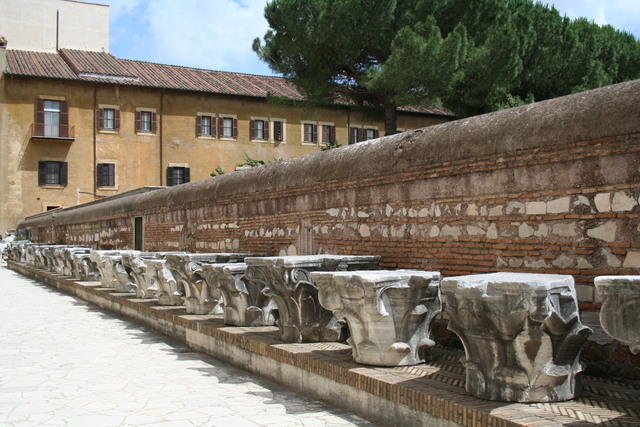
[105, 68]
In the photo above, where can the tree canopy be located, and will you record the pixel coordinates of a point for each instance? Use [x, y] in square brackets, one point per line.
[471, 56]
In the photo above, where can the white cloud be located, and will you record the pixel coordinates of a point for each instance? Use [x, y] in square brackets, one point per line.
[215, 34]
[621, 14]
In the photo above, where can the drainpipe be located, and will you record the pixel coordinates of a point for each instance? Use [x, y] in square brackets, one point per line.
[95, 135]
[160, 122]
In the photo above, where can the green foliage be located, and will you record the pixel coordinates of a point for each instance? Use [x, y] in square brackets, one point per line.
[248, 161]
[330, 146]
[473, 56]
[217, 172]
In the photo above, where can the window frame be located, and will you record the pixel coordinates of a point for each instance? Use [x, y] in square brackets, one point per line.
[221, 126]
[141, 111]
[100, 184]
[272, 133]
[321, 133]
[213, 125]
[62, 174]
[314, 132]
[186, 173]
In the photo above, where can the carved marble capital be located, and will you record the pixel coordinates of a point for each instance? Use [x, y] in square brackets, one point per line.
[287, 280]
[198, 297]
[83, 267]
[521, 333]
[160, 282]
[620, 311]
[245, 304]
[68, 268]
[388, 312]
[113, 274]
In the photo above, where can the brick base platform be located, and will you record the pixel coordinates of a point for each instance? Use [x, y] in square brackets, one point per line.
[430, 395]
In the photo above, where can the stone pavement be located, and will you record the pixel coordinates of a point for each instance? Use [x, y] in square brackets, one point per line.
[64, 362]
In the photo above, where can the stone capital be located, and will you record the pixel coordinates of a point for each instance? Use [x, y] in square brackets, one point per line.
[521, 333]
[620, 311]
[388, 312]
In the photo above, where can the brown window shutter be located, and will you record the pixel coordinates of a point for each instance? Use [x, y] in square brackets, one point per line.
[235, 128]
[350, 131]
[214, 126]
[100, 119]
[252, 129]
[63, 173]
[116, 124]
[187, 175]
[362, 135]
[266, 130]
[64, 119]
[39, 119]
[42, 173]
[138, 120]
[276, 135]
[332, 134]
[315, 134]
[154, 122]
[220, 126]
[198, 125]
[376, 134]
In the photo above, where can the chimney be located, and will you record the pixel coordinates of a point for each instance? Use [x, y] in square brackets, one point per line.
[3, 54]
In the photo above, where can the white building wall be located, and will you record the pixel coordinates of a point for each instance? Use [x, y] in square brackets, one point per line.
[31, 25]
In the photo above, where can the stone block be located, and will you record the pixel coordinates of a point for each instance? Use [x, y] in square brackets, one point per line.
[619, 314]
[632, 260]
[536, 208]
[560, 205]
[388, 312]
[622, 202]
[602, 202]
[521, 333]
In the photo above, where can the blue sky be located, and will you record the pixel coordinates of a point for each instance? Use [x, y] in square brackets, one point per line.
[217, 34]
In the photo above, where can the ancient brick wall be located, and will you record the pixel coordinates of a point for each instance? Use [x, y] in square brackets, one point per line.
[550, 187]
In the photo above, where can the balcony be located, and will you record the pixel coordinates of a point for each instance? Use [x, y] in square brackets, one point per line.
[62, 133]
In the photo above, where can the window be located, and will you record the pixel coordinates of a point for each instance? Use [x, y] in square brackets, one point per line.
[371, 133]
[52, 118]
[328, 134]
[310, 133]
[259, 129]
[205, 125]
[354, 135]
[106, 175]
[146, 122]
[178, 175]
[52, 173]
[52, 207]
[108, 119]
[228, 127]
[278, 130]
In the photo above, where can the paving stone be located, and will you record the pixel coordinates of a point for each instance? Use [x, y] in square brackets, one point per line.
[68, 363]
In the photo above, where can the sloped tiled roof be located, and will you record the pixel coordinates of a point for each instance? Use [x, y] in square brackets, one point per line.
[102, 67]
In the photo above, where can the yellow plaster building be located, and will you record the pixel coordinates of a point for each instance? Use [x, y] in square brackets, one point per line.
[77, 125]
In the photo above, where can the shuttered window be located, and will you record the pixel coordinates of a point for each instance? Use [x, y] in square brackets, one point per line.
[371, 133]
[310, 133]
[108, 119]
[146, 122]
[52, 173]
[106, 174]
[355, 135]
[205, 125]
[178, 175]
[259, 129]
[278, 130]
[51, 119]
[328, 134]
[228, 127]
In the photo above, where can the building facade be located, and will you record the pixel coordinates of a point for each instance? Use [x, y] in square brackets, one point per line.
[79, 125]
